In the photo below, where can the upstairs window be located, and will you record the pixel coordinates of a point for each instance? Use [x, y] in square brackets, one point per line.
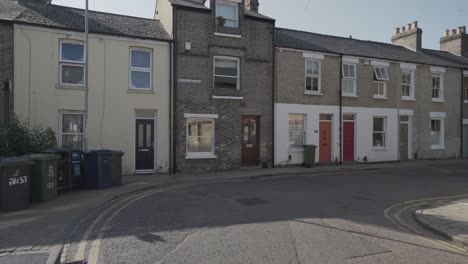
[349, 79]
[72, 60]
[407, 85]
[380, 78]
[381, 74]
[227, 14]
[437, 88]
[141, 69]
[226, 76]
[312, 77]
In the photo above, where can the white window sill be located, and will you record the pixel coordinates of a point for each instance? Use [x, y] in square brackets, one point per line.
[227, 35]
[379, 97]
[408, 98]
[140, 91]
[379, 149]
[438, 100]
[200, 156]
[228, 97]
[437, 148]
[69, 87]
[292, 150]
[313, 93]
[349, 95]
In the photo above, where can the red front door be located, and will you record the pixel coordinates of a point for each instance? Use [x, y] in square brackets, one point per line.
[348, 141]
[325, 141]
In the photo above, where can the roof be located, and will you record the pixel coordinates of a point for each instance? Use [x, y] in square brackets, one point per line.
[9, 9]
[295, 39]
[200, 4]
[68, 18]
[448, 56]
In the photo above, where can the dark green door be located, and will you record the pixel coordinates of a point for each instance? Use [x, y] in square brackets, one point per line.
[465, 141]
[404, 140]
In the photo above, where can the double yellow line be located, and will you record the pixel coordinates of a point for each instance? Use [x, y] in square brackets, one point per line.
[412, 205]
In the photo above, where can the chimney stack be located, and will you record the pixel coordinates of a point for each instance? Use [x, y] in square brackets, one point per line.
[455, 41]
[409, 36]
[252, 5]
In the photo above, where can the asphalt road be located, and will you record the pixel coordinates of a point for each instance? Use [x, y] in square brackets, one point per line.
[321, 218]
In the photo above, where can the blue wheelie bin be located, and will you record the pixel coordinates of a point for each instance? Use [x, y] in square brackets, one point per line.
[98, 169]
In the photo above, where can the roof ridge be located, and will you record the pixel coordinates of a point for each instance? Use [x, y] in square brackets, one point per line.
[340, 37]
[105, 13]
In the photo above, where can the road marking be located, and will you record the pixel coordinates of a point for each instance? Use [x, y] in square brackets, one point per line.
[407, 228]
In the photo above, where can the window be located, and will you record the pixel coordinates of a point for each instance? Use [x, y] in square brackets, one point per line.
[437, 87]
[296, 131]
[226, 73]
[141, 69]
[407, 85]
[380, 90]
[227, 14]
[349, 79]
[378, 134]
[72, 59]
[312, 76]
[200, 137]
[465, 89]
[381, 74]
[72, 131]
[437, 133]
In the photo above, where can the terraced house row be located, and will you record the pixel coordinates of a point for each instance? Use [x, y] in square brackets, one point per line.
[215, 85]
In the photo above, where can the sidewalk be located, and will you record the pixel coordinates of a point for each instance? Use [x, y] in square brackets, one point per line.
[449, 219]
[45, 226]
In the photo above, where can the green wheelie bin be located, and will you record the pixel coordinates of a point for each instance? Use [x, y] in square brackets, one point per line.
[309, 155]
[44, 177]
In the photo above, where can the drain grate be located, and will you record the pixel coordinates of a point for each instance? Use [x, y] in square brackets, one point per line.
[252, 201]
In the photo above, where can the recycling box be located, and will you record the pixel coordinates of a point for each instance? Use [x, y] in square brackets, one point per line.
[44, 177]
[15, 184]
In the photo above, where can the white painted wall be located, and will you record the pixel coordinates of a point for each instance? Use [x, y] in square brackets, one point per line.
[39, 99]
[364, 125]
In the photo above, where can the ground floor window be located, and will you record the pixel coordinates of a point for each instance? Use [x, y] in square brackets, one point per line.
[72, 130]
[379, 131]
[437, 133]
[200, 136]
[296, 124]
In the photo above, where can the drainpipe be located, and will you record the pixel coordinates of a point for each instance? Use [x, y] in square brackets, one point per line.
[273, 96]
[174, 89]
[462, 112]
[171, 121]
[6, 89]
[341, 109]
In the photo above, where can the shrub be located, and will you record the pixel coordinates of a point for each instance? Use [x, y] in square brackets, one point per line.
[18, 140]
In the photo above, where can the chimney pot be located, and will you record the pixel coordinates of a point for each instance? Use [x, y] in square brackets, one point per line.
[454, 31]
[447, 32]
[409, 26]
[397, 30]
[403, 29]
[415, 24]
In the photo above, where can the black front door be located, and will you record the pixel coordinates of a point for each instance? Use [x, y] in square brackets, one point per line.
[144, 144]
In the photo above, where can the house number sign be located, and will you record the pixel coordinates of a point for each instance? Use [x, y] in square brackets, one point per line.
[16, 179]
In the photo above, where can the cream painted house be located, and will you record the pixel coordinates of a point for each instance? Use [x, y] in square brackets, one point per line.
[129, 83]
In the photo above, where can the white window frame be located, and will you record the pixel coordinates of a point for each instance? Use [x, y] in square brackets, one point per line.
[441, 146]
[383, 72]
[200, 155]
[441, 88]
[226, 58]
[78, 64]
[384, 132]
[380, 96]
[138, 69]
[304, 133]
[61, 134]
[319, 77]
[411, 97]
[227, 3]
[353, 79]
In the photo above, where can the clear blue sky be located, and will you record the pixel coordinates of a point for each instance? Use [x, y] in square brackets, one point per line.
[364, 19]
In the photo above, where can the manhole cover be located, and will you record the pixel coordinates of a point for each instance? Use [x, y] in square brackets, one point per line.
[252, 201]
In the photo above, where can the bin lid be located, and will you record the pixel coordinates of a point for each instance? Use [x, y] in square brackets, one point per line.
[309, 146]
[43, 157]
[13, 162]
[98, 152]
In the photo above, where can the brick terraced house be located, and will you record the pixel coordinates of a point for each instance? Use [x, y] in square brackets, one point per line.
[366, 101]
[223, 89]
